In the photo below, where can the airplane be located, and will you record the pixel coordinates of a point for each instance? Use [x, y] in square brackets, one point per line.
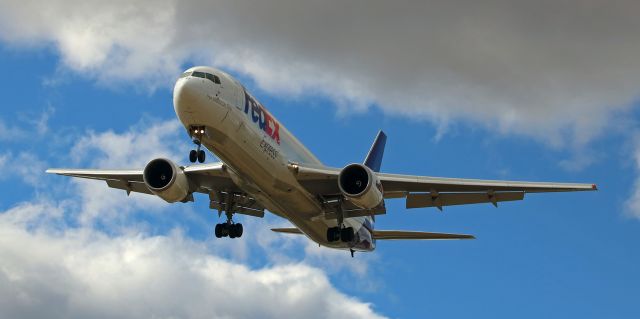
[265, 167]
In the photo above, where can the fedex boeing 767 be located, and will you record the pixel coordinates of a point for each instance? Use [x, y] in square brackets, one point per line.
[264, 167]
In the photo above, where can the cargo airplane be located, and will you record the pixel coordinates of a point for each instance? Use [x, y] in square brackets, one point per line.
[264, 167]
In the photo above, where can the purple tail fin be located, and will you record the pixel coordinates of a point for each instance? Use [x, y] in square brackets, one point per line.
[374, 158]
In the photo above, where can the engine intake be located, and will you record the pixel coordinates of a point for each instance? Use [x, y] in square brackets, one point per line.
[166, 180]
[361, 186]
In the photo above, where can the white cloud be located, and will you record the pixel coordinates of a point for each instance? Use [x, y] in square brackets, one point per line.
[632, 204]
[28, 126]
[143, 142]
[4, 158]
[555, 71]
[131, 149]
[8, 132]
[81, 273]
[26, 166]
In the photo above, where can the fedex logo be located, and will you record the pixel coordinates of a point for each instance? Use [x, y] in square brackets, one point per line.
[260, 115]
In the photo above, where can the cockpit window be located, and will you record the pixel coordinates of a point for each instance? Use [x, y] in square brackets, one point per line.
[199, 74]
[213, 78]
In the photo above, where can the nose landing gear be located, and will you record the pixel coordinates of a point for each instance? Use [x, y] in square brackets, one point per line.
[198, 154]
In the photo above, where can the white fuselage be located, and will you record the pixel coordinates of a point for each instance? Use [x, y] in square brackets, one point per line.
[257, 149]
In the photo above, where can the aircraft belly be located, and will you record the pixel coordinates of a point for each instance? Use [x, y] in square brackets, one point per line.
[262, 174]
[317, 231]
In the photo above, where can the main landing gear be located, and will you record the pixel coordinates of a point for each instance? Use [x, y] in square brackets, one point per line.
[198, 154]
[340, 233]
[229, 229]
[344, 234]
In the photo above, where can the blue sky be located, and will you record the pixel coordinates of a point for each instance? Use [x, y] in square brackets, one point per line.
[552, 255]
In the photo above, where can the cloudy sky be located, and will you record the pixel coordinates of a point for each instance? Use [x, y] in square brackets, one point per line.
[545, 90]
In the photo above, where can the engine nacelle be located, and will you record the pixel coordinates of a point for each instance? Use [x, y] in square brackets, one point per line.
[165, 179]
[361, 186]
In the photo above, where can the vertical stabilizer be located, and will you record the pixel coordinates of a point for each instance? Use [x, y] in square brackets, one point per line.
[374, 158]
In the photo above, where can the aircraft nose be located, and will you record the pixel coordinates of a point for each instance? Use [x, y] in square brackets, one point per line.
[186, 94]
[195, 100]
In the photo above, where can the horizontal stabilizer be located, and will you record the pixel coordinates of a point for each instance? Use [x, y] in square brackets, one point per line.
[287, 230]
[399, 234]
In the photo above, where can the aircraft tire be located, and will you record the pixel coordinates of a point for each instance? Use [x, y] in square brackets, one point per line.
[201, 156]
[193, 156]
[218, 231]
[333, 234]
[239, 230]
[346, 234]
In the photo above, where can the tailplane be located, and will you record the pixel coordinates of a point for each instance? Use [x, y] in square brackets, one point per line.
[398, 234]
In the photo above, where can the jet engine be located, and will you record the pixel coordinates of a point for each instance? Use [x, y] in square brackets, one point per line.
[165, 179]
[360, 186]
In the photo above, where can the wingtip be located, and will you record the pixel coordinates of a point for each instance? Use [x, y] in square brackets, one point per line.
[594, 187]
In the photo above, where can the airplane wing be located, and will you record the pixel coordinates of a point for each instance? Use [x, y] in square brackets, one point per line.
[205, 178]
[211, 179]
[427, 191]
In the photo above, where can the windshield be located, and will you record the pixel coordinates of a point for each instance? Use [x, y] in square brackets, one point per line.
[211, 77]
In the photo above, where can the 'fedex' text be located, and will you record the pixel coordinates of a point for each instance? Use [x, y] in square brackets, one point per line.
[259, 115]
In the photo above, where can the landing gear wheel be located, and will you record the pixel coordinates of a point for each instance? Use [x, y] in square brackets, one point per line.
[235, 230]
[346, 234]
[218, 231]
[201, 156]
[232, 230]
[333, 234]
[193, 156]
[239, 230]
[223, 230]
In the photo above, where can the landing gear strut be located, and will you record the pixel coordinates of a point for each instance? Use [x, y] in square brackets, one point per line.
[197, 155]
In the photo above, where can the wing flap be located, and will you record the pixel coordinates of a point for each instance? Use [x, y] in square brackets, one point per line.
[136, 187]
[418, 200]
[416, 235]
